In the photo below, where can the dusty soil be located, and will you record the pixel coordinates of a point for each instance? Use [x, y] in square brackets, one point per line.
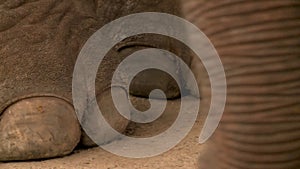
[184, 155]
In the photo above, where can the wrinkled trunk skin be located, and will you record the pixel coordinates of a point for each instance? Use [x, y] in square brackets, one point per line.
[259, 45]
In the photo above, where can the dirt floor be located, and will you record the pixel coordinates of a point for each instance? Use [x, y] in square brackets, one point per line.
[184, 155]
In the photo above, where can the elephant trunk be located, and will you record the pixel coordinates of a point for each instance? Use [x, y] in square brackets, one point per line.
[258, 42]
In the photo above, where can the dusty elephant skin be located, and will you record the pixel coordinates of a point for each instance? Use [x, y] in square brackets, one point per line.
[39, 43]
[258, 42]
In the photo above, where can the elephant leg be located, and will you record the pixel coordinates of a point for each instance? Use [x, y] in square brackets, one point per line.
[38, 47]
[258, 42]
[39, 44]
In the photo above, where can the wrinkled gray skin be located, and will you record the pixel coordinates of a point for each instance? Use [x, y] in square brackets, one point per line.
[39, 44]
[258, 42]
[259, 45]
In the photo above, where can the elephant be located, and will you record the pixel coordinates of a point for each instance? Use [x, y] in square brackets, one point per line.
[258, 43]
[259, 46]
[39, 43]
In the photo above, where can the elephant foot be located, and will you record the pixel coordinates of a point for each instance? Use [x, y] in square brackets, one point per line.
[37, 128]
[111, 115]
[47, 127]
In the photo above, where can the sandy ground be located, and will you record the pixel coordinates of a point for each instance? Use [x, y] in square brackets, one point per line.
[184, 155]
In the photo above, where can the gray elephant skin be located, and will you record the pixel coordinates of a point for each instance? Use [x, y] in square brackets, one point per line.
[258, 42]
[39, 43]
